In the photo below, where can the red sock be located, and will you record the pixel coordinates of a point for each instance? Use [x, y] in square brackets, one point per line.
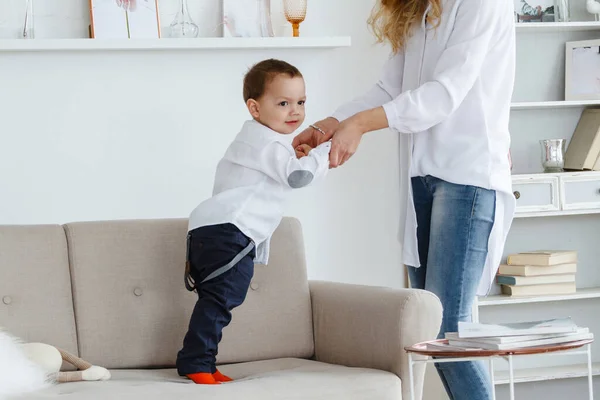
[219, 377]
[203, 378]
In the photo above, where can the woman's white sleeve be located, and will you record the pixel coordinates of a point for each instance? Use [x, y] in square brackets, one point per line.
[383, 91]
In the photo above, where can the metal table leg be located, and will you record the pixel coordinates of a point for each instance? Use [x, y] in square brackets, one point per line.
[511, 377]
[590, 372]
[410, 376]
[492, 378]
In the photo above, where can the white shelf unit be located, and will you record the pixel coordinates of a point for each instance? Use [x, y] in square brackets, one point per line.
[543, 27]
[499, 300]
[40, 45]
[539, 112]
[544, 105]
[549, 195]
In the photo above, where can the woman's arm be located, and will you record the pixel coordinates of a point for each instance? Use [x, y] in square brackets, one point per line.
[388, 86]
[454, 76]
[374, 97]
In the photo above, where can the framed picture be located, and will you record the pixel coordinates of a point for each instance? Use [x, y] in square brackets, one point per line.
[534, 11]
[124, 19]
[582, 70]
[247, 18]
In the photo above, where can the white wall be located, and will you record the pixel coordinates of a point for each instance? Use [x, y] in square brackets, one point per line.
[115, 135]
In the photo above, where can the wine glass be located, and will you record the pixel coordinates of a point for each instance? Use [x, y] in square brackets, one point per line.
[295, 12]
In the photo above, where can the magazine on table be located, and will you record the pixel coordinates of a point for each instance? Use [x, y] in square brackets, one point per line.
[584, 334]
[548, 326]
[513, 339]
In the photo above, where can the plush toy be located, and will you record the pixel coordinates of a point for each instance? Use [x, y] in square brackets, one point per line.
[50, 359]
[28, 367]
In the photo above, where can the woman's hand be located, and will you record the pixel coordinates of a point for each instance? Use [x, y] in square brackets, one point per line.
[344, 142]
[313, 137]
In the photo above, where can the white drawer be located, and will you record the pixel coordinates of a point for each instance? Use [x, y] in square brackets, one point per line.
[580, 192]
[535, 195]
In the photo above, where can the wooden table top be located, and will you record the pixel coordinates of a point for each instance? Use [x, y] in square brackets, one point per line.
[425, 350]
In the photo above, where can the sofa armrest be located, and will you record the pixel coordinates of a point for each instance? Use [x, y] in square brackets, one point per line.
[369, 327]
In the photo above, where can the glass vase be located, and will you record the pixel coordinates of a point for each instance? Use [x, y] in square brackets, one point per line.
[27, 31]
[553, 155]
[561, 11]
[183, 26]
[264, 13]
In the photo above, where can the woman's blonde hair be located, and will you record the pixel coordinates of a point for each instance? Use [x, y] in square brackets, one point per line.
[393, 20]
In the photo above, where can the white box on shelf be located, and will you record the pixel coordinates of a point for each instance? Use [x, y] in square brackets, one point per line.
[580, 191]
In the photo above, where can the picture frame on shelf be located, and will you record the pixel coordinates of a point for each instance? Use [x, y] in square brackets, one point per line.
[247, 18]
[124, 19]
[582, 70]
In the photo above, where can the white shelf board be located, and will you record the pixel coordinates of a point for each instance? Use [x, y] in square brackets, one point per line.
[541, 105]
[544, 175]
[34, 45]
[495, 300]
[560, 213]
[546, 373]
[536, 27]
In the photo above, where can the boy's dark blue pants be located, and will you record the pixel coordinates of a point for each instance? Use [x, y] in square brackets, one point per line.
[210, 248]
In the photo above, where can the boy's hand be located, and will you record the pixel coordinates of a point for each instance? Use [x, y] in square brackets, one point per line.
[302, 150]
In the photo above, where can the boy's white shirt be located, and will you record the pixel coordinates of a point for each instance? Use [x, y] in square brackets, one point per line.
[253, 180]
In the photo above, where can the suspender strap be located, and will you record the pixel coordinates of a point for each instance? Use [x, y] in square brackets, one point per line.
[230, 264]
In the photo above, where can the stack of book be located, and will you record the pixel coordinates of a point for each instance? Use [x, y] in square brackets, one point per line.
[538, 273]
[472, 335]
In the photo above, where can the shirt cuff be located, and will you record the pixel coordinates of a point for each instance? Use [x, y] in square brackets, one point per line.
[391, 114]
[339, 115]
[324, 148]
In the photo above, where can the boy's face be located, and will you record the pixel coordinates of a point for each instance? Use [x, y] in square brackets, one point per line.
[281, 107]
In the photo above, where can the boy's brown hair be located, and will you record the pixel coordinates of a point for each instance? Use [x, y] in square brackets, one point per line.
[258, 77]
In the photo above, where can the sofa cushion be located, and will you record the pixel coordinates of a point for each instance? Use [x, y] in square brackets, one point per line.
[262, 380]
[35, 287]
[132, 308]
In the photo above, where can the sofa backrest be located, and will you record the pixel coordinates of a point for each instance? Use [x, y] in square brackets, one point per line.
[35, 287]
[132, 309]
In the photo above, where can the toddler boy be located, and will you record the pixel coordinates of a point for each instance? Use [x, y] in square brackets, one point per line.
[231, 231]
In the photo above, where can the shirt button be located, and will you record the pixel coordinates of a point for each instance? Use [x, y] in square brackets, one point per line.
[6, 300]
[138, 291]
[254, 286]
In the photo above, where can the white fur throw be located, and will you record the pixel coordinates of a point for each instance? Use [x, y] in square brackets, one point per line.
[18, 374]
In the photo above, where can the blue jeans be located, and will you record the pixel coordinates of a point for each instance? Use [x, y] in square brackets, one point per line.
[454, 225]
[211, 247]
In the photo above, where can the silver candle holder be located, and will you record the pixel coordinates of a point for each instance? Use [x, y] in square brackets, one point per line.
[553, 155]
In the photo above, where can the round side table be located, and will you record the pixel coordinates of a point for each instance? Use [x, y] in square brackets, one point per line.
[434, 348]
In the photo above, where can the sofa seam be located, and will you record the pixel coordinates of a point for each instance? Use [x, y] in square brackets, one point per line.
[70, 257]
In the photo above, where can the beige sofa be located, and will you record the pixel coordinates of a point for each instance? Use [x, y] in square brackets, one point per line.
[112, 292]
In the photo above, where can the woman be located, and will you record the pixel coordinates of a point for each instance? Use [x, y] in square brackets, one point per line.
[446, 90]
